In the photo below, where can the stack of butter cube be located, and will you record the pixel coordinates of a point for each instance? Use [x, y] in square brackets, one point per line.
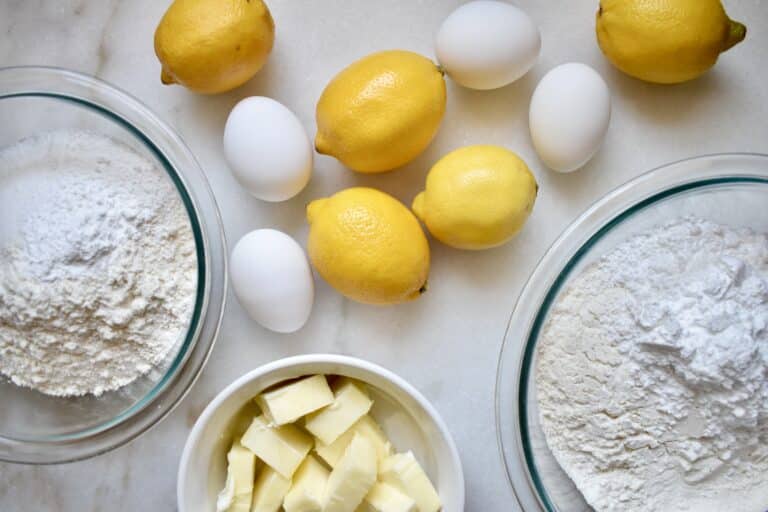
[315, 448]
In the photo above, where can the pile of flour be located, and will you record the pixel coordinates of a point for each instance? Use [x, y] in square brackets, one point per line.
[652, 374]
[98, 271]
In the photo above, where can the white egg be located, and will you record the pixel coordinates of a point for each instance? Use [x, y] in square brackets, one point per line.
[272, 280]
[267, 149]
[569, 115]
[487, 44]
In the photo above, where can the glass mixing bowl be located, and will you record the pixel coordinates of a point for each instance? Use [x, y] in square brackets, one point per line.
[728, 189]
[37, 428]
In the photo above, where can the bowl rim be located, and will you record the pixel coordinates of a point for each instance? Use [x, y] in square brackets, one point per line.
[541, 287]
[303, 360]
[183, 170]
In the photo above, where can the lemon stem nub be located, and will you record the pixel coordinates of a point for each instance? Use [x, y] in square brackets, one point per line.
[736, 34]
[321, 146]
[166, 78]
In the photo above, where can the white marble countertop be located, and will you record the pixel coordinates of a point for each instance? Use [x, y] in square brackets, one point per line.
[446, 343]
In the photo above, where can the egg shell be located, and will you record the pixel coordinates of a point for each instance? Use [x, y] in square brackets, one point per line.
[569, 115]
[272, 280]
[267, 149]
[487, 44]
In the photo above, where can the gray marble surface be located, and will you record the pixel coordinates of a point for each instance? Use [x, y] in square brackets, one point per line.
[447, 343]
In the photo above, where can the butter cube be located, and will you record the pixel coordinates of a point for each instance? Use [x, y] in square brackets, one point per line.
[350, 403]
[365, 426]
[385, 498]
[308, 490]
[281, 447]
[352, 477]
[238, 490]
[288, 403]
[403, 472]
[269, 490]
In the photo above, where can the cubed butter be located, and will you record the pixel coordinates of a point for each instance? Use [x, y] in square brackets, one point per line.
[365, 426]
[288, 403]
[385, 498]
[238, 489]
[403, 472]
[350, 403]
[352, 477]
[280, 447]
[269, 490]
[308, 490]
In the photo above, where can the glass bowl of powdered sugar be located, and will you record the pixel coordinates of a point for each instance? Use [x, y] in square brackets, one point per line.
[634, 372]
[112, 267]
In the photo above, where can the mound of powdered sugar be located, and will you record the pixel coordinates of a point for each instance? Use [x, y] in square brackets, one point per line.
[652, 374]
[98, 269]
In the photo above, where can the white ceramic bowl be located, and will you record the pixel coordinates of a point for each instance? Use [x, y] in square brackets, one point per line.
[407, 418]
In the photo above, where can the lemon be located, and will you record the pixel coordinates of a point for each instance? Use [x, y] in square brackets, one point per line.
[665, 41]
[212, 46]
[381, 111]
[368, 246]
[476, 197]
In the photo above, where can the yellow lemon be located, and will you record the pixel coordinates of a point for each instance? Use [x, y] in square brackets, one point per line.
[381, 111]
[665, 41]
[476, 197]
[368, 246]
[212, 46]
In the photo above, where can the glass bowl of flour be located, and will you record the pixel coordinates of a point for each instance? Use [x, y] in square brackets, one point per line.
[634, 371]
[112, 267]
